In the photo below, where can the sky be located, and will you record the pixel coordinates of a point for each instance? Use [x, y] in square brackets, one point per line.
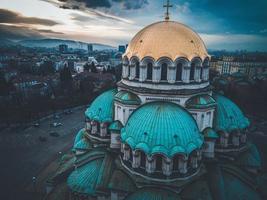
[222, 24]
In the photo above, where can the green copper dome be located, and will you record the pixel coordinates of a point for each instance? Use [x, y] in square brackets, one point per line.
[83, 180]
[101, 109]
[115, 126]
[79, 136]
[200, 101]
[83, 144]
[228, 116]
[153, 194]
[162, 127]
[127, 98]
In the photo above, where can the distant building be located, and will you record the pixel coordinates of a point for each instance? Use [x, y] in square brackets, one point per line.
[122, 48]
[63, 48]
[90, 48]
[231, 64]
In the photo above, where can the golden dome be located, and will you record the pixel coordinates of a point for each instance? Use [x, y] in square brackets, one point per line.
[166, 39]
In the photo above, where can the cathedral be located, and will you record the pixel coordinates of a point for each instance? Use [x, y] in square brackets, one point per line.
[163, 133]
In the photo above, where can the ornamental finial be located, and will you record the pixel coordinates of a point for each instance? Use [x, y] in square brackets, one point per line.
[167, 14]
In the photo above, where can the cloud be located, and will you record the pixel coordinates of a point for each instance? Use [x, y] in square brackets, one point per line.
[48, 31]
[10, 17]
[18, 33]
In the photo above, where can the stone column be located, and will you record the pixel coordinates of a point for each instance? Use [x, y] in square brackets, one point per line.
[194, 161]
[236, 139]
[243, 138]
[182, 165]
[136, 159]
[209, 148]
[156, 74]
[224, 140]
[132, 72]
[94, 127]
[171, 75]
[115, 141]
[103, 130]
[186, 74]
[126, 153]
[197, 74]
[167, 166]
[125, 71]
[87, 125]
[150, 164]
[143, 73]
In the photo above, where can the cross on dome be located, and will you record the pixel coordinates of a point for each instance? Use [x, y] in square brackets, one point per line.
[167, 6]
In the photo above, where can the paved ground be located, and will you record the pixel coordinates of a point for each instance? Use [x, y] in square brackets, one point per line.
[23, 155]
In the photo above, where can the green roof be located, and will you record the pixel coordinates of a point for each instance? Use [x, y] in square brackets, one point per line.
[83, 144]
[162, 127]
[210, 133]
[153, 194]
[115, 126]
[121, 181]
[83, 180]
[79, 136]
[102, 107]
[228, 116]
[129, 98]
[250, 158]
[200, 101]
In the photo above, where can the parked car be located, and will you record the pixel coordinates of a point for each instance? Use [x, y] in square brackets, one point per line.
[37, 125]
[56, 124]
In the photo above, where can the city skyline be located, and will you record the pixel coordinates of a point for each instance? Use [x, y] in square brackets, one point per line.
[115, 22]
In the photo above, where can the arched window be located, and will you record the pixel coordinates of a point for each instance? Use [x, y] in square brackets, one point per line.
[98, 127]
[175, 163]
[158, 163]
[143, 159]
[179, 69]
[164, 69]
[149, 71]
[137, 68]
[192, 71]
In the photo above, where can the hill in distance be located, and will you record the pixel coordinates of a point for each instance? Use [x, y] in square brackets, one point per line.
[52, 43]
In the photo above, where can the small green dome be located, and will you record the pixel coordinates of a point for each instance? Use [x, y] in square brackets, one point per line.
[228, 116]
[127, 98]
[115, 126]
[200, 101]
[210, 133]
[83, 144]
[153, 194]
[83, 180]
[162, 127]
[101, 109]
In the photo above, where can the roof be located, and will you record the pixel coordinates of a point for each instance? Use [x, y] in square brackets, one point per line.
[250, 158]
[228, 116]
[148, 193]
[126, 97]
[115, 126]
[83, 180]
[121, 181]
[210, 133]
[102, 107]
[83, 144]
[166, 39]
[200, 101]
[79, 136]
[162, 127]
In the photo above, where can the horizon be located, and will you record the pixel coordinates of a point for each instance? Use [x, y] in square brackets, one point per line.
[115, 22]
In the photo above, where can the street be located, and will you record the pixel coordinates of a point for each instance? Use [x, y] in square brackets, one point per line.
[24, 154]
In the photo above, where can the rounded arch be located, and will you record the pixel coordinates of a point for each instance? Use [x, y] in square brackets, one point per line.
[125, 60]
[206, 62]
[197, 61]
[180, 63]
[175, 160]
[146, 60]
[164, 64]
[134, 60]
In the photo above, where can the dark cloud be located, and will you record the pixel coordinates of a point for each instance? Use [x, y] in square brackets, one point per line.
[10, 17]
[10, 32]
[18, 33]
[126, 4]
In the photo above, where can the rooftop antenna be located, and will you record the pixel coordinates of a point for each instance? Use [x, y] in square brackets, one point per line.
[167, 6]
